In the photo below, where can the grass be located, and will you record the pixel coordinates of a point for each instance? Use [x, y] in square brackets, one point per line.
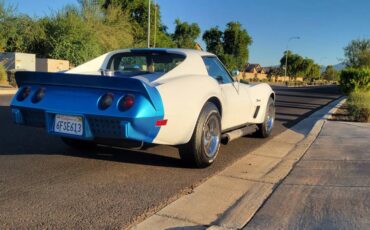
[359, 105]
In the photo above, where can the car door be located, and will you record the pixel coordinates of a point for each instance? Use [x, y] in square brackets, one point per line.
[236, 103]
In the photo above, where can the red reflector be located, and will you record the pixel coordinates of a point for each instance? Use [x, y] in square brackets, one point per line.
[161, 123]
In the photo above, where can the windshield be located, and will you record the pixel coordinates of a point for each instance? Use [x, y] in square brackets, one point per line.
[134, 63]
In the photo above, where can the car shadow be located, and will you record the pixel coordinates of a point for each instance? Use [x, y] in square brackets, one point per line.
[23, 140]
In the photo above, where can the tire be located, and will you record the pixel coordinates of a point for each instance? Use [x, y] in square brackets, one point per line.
[78, 144]
[204, 145]
[264, 129]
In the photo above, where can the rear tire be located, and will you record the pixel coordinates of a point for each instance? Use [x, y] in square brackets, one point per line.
[203, 147]
[78, 144]
[265, 129]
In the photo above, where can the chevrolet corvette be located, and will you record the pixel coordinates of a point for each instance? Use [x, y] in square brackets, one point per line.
[132, 97]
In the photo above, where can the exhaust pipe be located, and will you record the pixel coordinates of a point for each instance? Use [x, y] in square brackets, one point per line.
[235, 134]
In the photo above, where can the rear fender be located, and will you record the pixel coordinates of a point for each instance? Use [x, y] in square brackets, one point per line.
[183, 99]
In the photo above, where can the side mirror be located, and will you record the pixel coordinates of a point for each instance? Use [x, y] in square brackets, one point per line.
[235, 72]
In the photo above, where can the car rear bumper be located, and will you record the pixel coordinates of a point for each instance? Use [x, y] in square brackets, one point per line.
[94, 126]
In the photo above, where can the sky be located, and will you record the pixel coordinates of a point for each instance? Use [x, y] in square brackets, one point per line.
[325, 27]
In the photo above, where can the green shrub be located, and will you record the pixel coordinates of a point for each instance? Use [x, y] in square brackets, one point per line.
[3, 76]
[244, 81]
[359, 105]
[11, 78]
[354, 80]
[295, 83]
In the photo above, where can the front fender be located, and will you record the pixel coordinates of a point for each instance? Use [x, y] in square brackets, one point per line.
[260, 95]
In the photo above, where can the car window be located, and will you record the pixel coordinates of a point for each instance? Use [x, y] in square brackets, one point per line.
[134, 63]
[216, 70]
[144, 62]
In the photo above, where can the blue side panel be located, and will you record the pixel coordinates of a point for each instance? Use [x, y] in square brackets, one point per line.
[78, 95]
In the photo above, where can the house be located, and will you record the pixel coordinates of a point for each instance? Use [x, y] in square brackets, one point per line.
[14, 61]
[267, 70]
[276, 74]
[252, 68]
[51, 65]
[254, 71]
[18, 61]
[198, 47]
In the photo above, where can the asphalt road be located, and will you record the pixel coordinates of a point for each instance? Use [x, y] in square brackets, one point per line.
[45, 184]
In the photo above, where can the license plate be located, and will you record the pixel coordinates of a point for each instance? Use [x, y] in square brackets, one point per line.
[72, 125]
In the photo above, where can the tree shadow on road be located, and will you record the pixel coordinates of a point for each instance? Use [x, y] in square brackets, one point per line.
[304, 96]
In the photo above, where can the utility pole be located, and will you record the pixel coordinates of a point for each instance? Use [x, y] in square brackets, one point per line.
[149, 1]
[286, 54]
[155, 23]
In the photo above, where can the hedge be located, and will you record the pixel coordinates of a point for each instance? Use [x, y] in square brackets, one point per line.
[11, 78]
[359, 106]
[354, 80]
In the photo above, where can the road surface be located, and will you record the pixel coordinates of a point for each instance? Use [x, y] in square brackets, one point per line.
[45, 184]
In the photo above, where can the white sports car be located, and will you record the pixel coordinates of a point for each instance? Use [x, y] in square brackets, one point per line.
[129, 97]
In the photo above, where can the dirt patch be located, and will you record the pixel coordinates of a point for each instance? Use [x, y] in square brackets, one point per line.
[342, 114]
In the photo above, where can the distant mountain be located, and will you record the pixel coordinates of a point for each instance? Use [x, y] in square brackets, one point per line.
[337, 67]
[322, 68]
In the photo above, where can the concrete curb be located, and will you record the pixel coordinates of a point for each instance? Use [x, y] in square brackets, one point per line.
[329, 115]
[297, 86]
[230, 199]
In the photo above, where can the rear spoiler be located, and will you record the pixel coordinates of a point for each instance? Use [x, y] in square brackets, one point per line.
[88, 81]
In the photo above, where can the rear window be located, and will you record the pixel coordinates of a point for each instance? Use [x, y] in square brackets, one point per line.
[144, 62]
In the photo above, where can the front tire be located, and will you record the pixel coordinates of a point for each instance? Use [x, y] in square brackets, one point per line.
[203, 148]
[265, 129]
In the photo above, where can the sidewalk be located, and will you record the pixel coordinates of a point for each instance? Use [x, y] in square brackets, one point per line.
[329, 188]
[230, 199]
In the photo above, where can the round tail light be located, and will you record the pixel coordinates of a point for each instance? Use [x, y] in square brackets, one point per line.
[24, 93]
[126, 102]
[38, 96]
[105, 101]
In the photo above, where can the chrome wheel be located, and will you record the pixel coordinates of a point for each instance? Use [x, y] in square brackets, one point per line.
[211, 136]
[270, 117]
[203, 147]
